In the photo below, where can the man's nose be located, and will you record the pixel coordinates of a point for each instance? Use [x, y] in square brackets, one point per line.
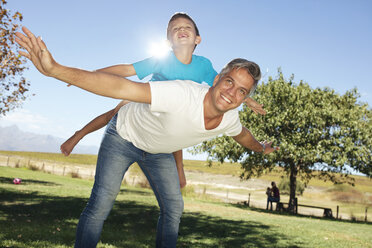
[231, 90]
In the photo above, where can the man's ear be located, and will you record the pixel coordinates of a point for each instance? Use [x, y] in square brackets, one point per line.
[198, 40]
[216, 78]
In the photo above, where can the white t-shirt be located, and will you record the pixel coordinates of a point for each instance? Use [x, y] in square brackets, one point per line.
[174, 120]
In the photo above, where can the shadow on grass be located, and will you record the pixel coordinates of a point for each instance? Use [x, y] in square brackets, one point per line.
[36, 220]
[8, 180]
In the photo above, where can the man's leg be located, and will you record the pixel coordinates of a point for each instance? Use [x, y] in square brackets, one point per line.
[114, 158]
[161, 172]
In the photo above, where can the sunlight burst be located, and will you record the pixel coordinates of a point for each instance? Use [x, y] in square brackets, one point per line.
[159, 49]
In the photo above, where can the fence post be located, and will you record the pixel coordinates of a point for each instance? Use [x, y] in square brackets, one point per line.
[338, 209]
[64, 168]
[296, 205]
[249, 198]
[365, 218]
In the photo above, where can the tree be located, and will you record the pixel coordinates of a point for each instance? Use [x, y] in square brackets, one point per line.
[13, 87]
[319, 133]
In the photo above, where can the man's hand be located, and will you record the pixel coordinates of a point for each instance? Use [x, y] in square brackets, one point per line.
[255, 106]
[268, 149]
[37, 52]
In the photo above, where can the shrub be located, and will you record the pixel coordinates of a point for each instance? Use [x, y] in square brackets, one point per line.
[33, 167]
[75, 174]
[352, 196]
[284, 187]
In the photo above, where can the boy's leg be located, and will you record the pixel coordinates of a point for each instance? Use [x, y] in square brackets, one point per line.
[161, 172]
[114, 158]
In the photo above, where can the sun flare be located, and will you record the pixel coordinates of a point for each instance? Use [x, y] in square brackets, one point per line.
[159, 49]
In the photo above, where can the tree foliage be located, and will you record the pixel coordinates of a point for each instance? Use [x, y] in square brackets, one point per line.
[13, 87]
[316, 129]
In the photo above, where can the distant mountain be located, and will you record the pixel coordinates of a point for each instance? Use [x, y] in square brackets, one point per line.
[14, 139]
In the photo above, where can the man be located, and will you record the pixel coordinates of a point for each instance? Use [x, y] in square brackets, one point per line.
[167, 117]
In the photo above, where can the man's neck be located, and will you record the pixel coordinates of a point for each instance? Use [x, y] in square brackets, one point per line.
[183, 54]
[212, 117]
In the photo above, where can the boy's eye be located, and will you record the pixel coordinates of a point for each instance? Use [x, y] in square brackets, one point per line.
[243, 92]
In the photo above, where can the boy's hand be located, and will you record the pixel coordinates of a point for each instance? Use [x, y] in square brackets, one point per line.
[255, 106]
[37, 52]
[182, 177]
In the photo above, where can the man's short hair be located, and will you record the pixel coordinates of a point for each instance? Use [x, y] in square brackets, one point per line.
[252, 68]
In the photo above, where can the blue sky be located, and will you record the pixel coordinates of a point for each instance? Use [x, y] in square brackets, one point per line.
[324, 43]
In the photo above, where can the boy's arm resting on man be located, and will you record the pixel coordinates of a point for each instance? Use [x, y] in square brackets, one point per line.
[255, 106]
[96, 82]
[246, 139]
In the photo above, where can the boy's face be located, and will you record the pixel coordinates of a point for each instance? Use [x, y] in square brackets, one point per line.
[182, 32]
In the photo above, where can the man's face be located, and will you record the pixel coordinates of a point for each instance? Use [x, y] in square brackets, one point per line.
[182, 32]
[231, 90]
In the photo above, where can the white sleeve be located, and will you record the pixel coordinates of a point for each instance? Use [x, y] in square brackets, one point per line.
[235, 126]
[165, 95]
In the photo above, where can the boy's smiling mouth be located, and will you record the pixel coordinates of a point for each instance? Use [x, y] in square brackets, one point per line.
[183, 35]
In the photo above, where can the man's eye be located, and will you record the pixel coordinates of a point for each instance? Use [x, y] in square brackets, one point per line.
[243, 92]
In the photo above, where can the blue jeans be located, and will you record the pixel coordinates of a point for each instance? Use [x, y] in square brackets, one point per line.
[270, 200]
[114, 158]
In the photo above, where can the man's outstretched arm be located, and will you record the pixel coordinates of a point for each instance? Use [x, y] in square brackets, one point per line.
[96, 82]
[246, 139]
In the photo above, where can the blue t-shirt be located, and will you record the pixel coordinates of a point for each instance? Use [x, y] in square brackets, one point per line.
[170, 68]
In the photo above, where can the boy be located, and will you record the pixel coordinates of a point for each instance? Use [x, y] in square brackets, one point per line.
[183, 36]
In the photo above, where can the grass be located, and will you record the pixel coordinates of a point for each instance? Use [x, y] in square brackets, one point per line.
[43, 212]
[55, 157]
[352, 200]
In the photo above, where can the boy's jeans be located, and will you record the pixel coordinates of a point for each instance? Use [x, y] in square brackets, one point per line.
[114, 158]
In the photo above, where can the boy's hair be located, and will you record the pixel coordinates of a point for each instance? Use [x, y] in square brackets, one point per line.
[252, 68]
[186, 16]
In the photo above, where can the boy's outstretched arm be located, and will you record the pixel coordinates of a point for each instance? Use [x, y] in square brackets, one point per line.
[96, 82]
[255, 106]
[123, 70]
[246, 139]
[94, 125]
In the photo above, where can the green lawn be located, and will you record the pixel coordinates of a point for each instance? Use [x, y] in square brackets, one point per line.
[43, 212]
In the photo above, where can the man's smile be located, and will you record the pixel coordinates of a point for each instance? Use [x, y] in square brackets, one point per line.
[226, 99]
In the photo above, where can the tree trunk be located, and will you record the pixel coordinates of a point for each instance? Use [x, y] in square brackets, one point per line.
[292, 188]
